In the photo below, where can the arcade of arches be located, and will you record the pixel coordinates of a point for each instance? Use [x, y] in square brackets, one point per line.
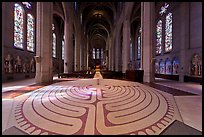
[150, 40]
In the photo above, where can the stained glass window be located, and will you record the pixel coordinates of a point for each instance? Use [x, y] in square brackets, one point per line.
[163, 9]
[97, 54]
[54, 45]
[175, 66]
[131, 51]
[53, 27]
[63, 48]
[156, 66]
[161, 67]
[30, 32]
[27, 4]
[75, 6]
[168, 66]
[101, 53]
[159, 37]
[139, 48]
[139, 44]
[94, 55]
[168, 33]
[18, 26]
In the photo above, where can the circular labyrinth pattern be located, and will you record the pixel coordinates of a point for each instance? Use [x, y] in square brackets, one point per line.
[84, 107]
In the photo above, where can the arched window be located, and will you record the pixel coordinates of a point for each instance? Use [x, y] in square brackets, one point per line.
[30, 32]
[54, 44]
[175, 66]
[97, 54]
[75, 6]
[18, 26]
[168, 33]
[139, 44]
[94, 53]
[159, 37]
[168, 66]
[130, 51]
[156, 66]
[63, 48]
[196, 65]
[166, 24]
[101, 53]
[161, 67]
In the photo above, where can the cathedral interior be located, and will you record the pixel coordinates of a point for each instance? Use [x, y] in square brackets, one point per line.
[101, 68]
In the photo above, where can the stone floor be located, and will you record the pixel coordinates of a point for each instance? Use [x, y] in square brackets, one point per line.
[98, 106]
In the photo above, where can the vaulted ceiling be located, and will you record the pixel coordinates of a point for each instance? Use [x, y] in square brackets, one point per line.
[97, 20]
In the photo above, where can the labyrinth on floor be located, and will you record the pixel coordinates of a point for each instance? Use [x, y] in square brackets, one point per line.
[94, 106]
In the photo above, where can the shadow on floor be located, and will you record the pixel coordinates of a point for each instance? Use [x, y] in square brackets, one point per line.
[173, 91]
[13, 131]
[179, 128]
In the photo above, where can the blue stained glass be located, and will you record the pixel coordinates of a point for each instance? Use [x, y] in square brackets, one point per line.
[156, 67]
[175, 66]
[168, 66]
[162, 67]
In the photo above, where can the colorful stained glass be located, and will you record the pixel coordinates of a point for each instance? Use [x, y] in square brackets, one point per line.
[97, 54]
[162, 67]
[101, 53]
[18, 26]
[163, 9]
[54, 44]
[131, 51]
[63, 48]
[53, 27]
[159, 38]
[168, 33]
[30, 32]
[94, 55]
[175, 66]
[139, 47]
[27, 4]
[156, 67]
[168, 66]
[75, 6]
[139, 44]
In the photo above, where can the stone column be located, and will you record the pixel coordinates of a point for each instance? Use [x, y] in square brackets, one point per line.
[184, 37]
[147, 40]
[44, 42]
[59, 53]
[136, 50]
[109, 54]
[126, 45]
[68, 46]
[77, 52]
[117, 53]
[87, 53]
[112, 54]
[4, 12]
[133, 52]
[81, 56]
